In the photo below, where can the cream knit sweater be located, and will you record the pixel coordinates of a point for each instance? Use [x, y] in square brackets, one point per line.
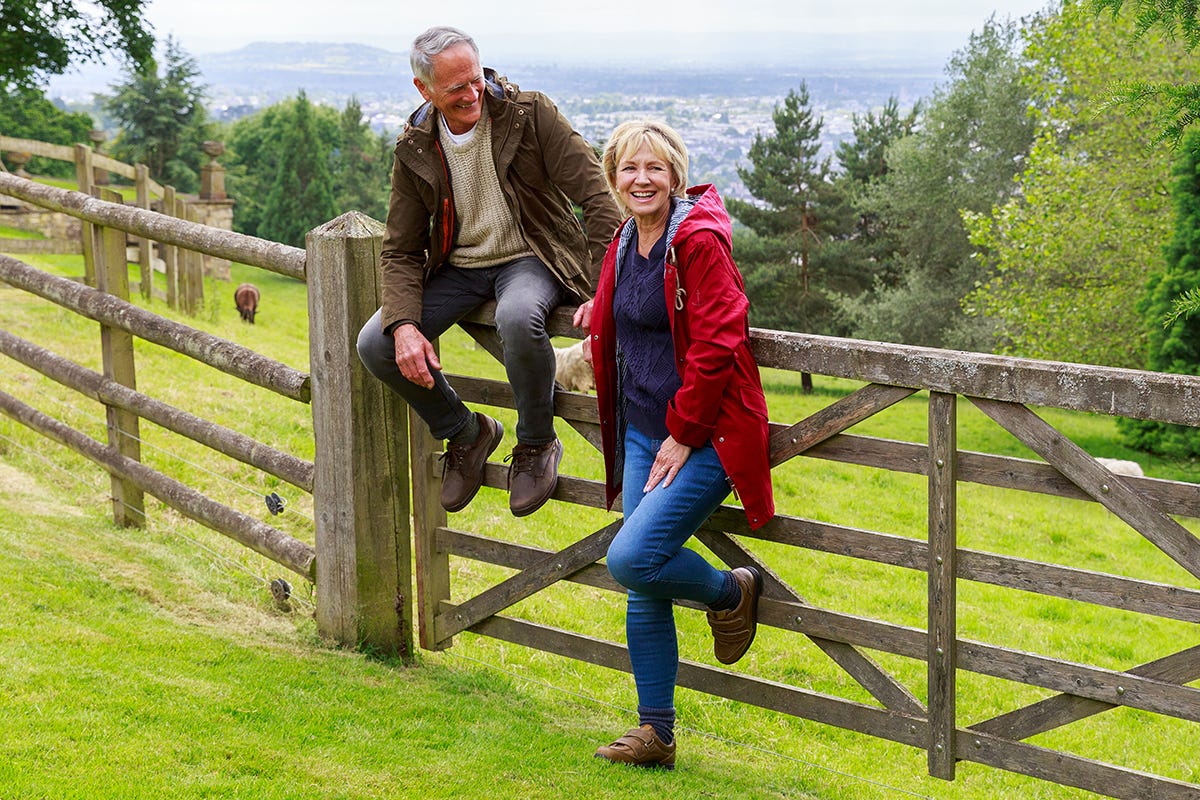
[488, 234]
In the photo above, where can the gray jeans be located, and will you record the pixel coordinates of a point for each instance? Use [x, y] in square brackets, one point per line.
[525, 292]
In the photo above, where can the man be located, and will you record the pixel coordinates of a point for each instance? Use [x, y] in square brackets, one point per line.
[483, 180]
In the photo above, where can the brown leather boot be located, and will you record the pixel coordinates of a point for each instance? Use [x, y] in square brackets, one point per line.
[734, 629]
[532, 476]
[640, 747]
[462, 464]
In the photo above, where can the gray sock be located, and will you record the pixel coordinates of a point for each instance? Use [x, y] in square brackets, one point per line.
[468, 433]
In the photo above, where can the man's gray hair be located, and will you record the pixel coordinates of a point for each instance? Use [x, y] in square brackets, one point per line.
[434, 42]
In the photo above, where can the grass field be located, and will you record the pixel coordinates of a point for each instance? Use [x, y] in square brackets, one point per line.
[153, 662]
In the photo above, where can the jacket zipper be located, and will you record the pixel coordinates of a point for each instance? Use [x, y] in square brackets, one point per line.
[447, 227]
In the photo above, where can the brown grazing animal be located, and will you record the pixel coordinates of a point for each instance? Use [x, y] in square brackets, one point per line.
[246, 297]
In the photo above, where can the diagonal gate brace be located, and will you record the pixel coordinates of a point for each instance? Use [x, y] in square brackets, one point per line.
[548, 570]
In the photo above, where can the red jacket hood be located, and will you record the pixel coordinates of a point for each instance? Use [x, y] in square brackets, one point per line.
[701, 209]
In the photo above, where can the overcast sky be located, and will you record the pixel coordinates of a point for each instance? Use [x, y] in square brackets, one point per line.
[204, 26]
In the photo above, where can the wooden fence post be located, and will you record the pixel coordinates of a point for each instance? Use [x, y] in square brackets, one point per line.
[433, 562]
[360, 479]
[191, 282]
[116, 346]
[170, 253]
[83, 176]
[145, 246]
[941, 653]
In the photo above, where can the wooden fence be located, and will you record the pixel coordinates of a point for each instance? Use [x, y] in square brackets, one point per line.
[182, 279]
[366, 452]
[360, 559]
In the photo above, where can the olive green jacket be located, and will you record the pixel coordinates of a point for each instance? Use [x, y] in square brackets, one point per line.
[543, 166]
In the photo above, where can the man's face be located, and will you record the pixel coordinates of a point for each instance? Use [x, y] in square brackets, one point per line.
[457, 89]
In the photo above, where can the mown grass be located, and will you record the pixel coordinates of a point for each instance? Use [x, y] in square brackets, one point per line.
[9, 232]
[142, 662]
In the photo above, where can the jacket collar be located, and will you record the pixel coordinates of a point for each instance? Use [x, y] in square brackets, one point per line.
[680, 207]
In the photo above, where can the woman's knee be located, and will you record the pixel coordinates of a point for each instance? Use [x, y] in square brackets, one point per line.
[628, 566]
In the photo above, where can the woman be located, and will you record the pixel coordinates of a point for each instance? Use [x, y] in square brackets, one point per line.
[683, 417]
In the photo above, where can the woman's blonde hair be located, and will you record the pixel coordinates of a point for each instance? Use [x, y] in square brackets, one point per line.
[664, 142]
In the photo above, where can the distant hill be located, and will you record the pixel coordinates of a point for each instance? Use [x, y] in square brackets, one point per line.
[317, 67]
[335, 71]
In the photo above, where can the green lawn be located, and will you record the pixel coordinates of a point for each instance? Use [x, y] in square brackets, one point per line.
[153, 662]
[9, 232]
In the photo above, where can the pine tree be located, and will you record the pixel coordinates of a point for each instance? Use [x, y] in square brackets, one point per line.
[359, 173]
[796, 263]
[863, 160]
[301, 198]
[1175, 345]
[163, 119]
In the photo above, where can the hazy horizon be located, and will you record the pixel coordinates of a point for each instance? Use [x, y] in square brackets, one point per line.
[219, 25]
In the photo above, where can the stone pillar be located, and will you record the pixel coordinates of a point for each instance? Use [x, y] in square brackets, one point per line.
[212, 174]
[215, 214]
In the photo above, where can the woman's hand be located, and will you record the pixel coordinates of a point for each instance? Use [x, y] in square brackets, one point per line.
[583, 319]
[667, 463]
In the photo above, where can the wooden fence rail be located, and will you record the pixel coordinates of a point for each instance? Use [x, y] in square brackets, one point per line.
[183, 269]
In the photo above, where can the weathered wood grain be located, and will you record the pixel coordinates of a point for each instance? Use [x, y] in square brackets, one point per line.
[360, 484]
[1092, 477]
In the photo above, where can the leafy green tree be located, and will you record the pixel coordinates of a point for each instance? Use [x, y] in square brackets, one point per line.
[971, 140]
[301, 197]
[163, 120]
[40, 38]
[795, 266]
[360, 174]
[26, 113]
[1072, 249]
[1174, 347]
[254, 149]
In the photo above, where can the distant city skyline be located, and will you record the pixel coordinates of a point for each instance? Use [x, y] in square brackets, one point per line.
[220, 25]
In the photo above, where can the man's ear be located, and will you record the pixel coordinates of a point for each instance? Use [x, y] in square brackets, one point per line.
[423, 89]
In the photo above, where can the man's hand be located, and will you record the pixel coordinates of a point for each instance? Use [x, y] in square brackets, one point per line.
[583, 319]
[415, 356]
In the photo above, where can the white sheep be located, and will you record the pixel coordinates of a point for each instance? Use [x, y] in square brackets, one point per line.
[1119, 467]
[571, 371]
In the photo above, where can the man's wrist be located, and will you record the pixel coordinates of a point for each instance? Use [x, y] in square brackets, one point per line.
[395, 326]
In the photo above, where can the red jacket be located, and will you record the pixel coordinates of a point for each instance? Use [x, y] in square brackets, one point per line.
[721, 397]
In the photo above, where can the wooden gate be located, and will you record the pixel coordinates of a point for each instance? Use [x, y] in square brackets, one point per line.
[1003, 389]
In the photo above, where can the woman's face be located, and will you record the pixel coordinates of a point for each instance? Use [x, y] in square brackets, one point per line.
[644, 182]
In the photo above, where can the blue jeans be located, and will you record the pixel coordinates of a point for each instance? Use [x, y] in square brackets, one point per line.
[526, 292]
[648, 558]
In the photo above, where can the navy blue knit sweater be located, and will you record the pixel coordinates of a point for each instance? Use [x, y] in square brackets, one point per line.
[649, 378]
